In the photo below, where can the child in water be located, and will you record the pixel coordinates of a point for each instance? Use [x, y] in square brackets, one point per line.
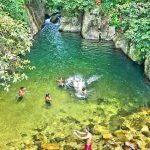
[48, 99]
[21, 93]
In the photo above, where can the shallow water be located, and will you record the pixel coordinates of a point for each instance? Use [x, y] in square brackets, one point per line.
[58, 55]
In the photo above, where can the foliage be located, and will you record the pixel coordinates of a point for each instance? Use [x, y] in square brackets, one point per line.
[131, 18]
[15, 41]
[69, 5]
[15, 8]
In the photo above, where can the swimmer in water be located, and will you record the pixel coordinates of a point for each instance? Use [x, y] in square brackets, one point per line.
[84, 92]
[61, 82]
[85, 136]
[48, 99]
[21, 93]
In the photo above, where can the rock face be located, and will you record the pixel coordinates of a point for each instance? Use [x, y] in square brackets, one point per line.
[33, 27]
[128, 48]
[71, 24]
[95, 26]
[147, 66]
[36, 12]
[91, 24]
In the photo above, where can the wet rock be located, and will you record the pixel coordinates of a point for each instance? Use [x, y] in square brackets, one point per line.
[63, 111]
[123, 112]
[100, 112]
[145, 131]
[100, 100]
[124, 127]
[23, 135]
[115, 123]
[121, 135]
[48, 146]
[68, 147]
[58, 139]
[147, 134]
[72, 119]
[147, 146]
[107, 136]
[136, 137]
[137, 123]
[38, 137]
[64, 121]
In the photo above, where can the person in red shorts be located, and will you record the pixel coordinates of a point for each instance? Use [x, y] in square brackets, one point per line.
[85, 136]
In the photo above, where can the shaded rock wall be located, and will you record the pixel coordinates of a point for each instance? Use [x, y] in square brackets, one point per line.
[33, 27]
[36, 12]
[147, 66]
[128, 48]
[95, 26]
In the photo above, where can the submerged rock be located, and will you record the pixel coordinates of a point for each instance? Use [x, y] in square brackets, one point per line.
[48, 146]
[115, 123]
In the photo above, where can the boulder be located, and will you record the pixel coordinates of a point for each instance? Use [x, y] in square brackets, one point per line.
[48, 146]
[128, 48]
[121, 43]
[37, 11]
[71, 23]
[91, 24]
[115, 122]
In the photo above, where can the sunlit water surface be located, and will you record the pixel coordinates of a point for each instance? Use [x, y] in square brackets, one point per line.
[58, 55]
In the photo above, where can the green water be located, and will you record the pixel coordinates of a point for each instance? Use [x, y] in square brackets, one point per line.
[57, 54]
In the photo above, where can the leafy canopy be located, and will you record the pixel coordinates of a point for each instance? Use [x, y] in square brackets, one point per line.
[15, 41]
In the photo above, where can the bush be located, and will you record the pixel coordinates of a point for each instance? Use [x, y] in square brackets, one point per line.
[134, 21]
[15, 41]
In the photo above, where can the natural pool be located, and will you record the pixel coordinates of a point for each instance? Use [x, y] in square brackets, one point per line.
[56, 55]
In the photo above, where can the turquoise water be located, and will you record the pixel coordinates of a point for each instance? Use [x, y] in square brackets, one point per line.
[58, 55]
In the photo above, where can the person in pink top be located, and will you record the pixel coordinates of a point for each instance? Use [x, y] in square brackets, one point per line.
[85, 136]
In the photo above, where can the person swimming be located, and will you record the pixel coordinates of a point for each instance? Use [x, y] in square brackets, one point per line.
[86, 136]
[21, 93]
[48, 99]
[61, 82]
[84, 92]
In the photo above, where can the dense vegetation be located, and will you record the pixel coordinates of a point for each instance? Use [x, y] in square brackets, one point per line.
[133, 20]
[69, 5]
[15, 41]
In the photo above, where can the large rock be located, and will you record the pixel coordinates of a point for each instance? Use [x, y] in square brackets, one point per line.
[49, 146]
[95, 26]
[147, 66]
[128, 48]
[91, 24]
[37, 11]
[33, 27]
[71, 24]
[106, 32]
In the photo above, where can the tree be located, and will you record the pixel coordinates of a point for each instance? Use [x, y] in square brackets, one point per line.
[15, 41]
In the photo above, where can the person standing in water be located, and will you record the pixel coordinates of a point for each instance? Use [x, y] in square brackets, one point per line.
[85, 136]
[48, 99]
[84, 92]
[21, 93]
